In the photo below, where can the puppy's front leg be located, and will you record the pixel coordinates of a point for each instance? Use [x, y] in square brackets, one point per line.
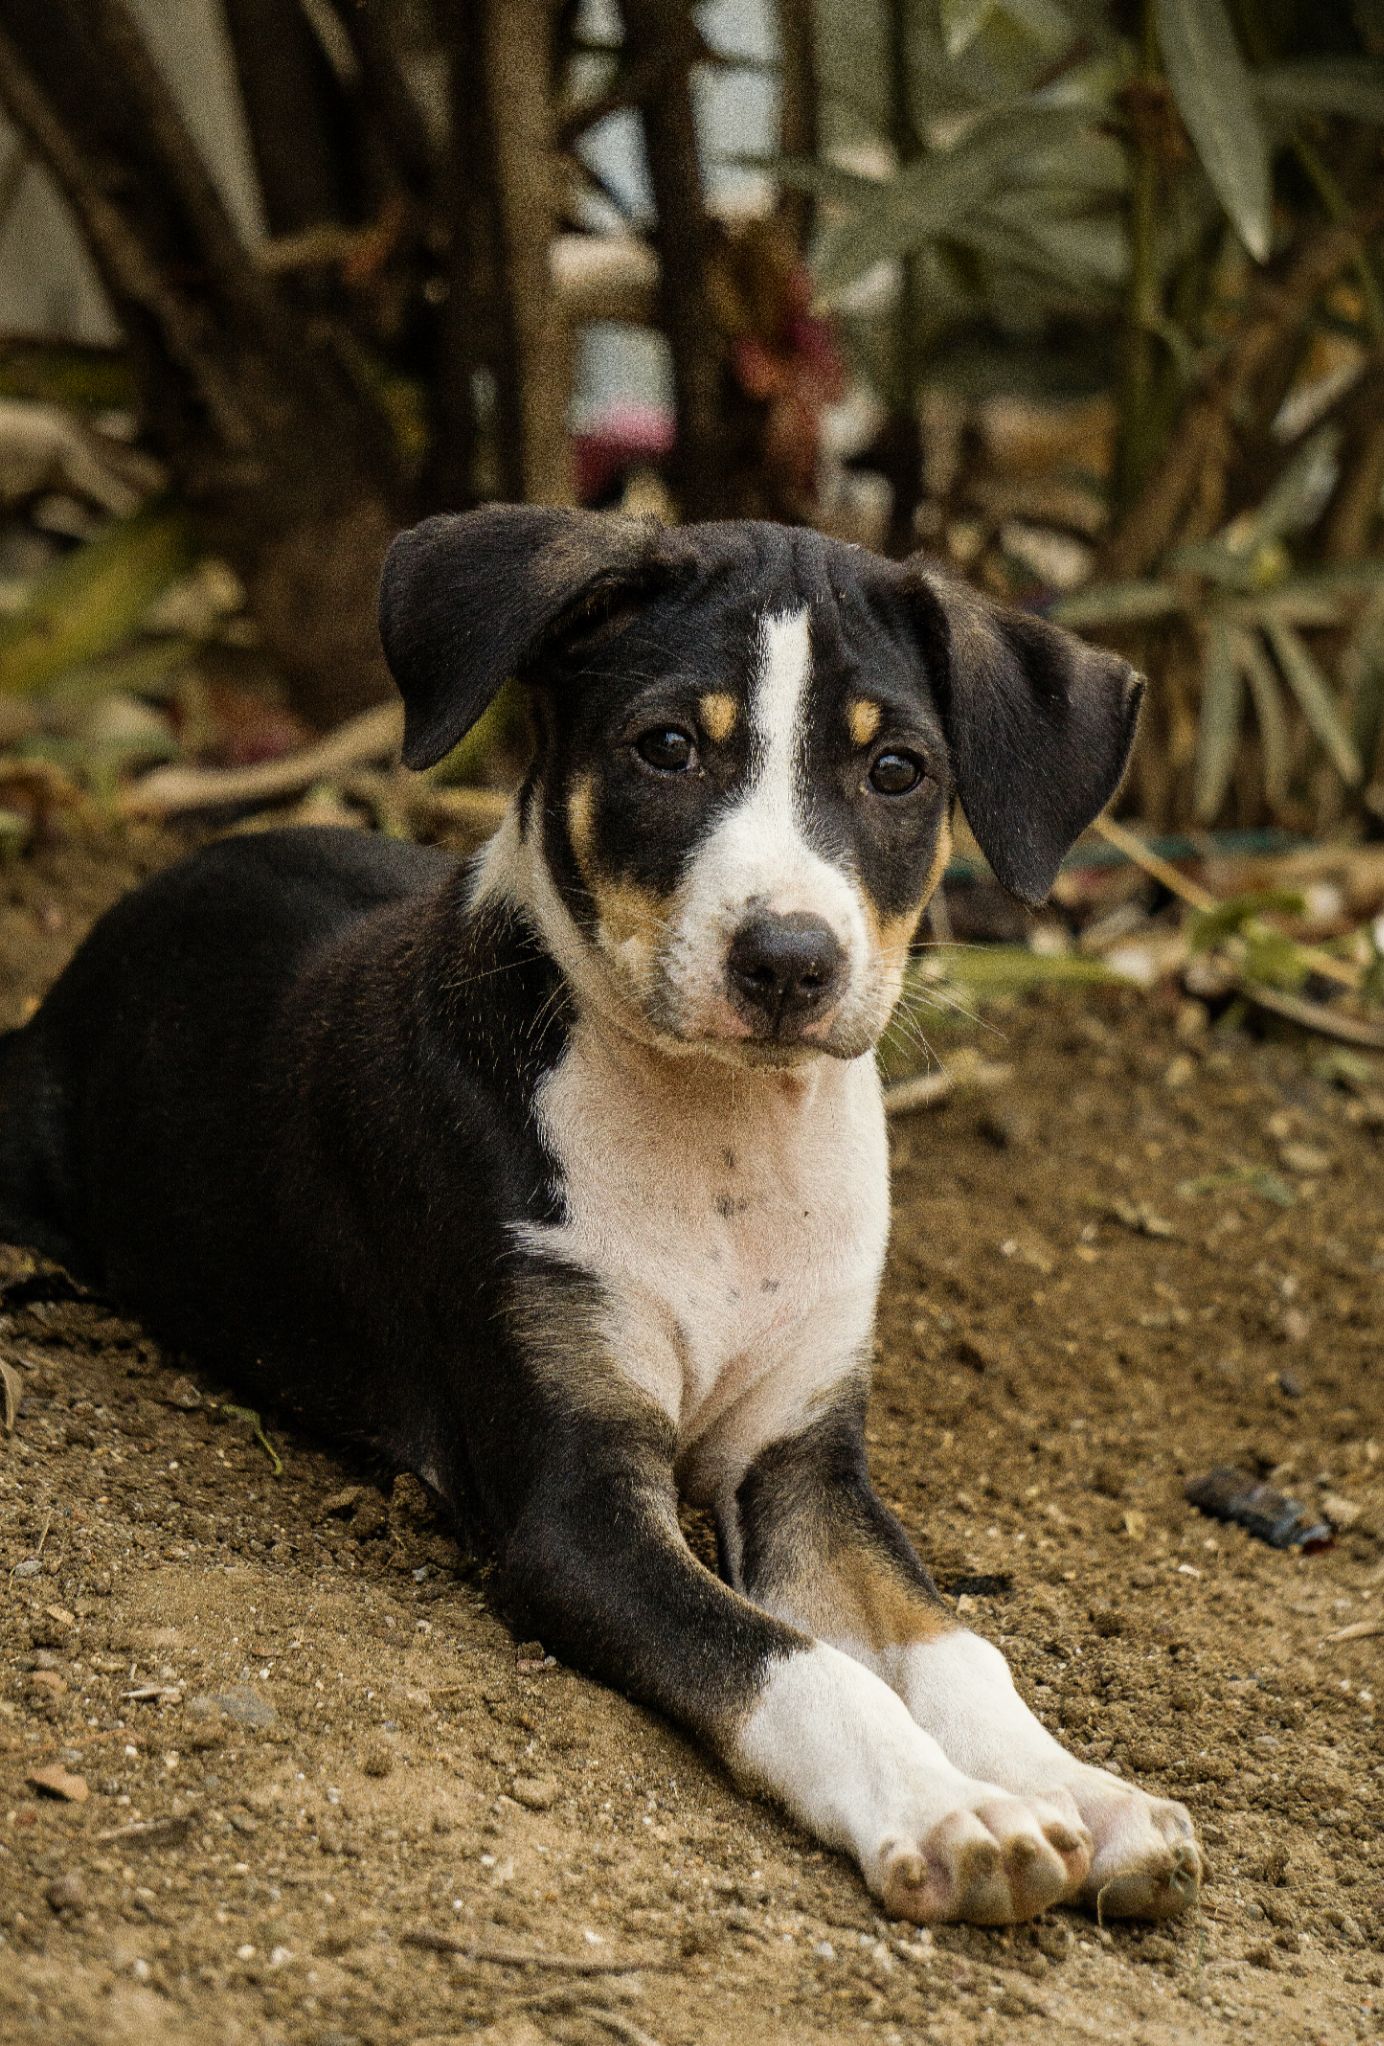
[595, 1562]
[818, 1548]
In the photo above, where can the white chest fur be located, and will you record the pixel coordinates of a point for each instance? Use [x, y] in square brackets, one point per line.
[737, 1222]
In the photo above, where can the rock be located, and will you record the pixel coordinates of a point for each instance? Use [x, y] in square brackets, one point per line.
[241, 1704]
[30, 1567]
[66, 1893]
[55, 1781]
[370, 1518]
[535, 1793]
[1308, 1159]
[341, 1503]
[184, 1394]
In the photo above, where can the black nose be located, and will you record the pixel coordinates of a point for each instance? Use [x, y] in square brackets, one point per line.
[783, 968]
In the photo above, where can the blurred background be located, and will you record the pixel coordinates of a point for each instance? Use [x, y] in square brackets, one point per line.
[1083, 296]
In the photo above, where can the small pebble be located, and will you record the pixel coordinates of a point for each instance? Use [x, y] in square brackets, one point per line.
[66, 1893]
[535, 1793]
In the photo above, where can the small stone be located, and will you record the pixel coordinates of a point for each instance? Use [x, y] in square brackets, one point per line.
[370, 1518]
[55, 1781]
[341, 1503]
[183, 1393]
[1308, 1159]
[66, 1893]
[1341, 1512]
[241, 1704]
[30, 1567]
[535, 1793]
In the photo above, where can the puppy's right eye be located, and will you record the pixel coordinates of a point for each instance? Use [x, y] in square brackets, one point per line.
[668, 749]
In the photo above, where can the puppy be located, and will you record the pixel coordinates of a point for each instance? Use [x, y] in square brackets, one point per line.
[560, 1178]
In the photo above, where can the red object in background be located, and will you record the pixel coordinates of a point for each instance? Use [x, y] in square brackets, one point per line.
[781, 356]
[625, 437]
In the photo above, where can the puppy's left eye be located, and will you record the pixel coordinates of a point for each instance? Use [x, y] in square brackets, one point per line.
[895, 773]
[667, 748]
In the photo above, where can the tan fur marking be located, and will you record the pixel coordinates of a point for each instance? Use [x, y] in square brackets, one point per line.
[579, 822]
[860, 1597]
[718, 711]
[894, 934]
[628, 911]
[863, 717]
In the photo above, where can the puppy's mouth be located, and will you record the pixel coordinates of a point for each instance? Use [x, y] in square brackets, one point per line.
[729, 1035]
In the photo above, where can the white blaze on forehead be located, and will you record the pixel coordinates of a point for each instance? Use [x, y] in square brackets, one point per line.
[776, 704]
[758, 852]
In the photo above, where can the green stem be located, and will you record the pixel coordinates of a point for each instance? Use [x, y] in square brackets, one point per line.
[1338, 208]
[1136, 440]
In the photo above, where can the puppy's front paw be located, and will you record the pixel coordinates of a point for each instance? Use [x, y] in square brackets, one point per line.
[992, 1860]
[1146, 1861]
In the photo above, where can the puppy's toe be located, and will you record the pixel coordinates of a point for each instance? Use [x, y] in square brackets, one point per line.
[1147, 1863]
[996, 1861]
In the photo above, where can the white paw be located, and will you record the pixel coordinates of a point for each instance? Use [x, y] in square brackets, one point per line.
[991, 1859]
[1145, 1861]
[840, 1750]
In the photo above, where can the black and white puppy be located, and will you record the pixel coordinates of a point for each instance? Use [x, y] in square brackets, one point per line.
[560, 1178]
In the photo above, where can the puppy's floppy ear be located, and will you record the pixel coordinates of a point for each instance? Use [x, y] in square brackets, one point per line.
[471, 598]
[1040, 726]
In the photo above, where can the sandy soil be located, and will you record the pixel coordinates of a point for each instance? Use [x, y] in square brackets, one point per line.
[316, 1762]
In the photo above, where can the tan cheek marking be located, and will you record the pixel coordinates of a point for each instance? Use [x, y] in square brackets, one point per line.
[894, 934]
[718, 713]
[863, 718]
[626, 911]
[629, 913]
[579, 822]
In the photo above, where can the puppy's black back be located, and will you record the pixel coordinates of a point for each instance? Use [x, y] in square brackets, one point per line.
[183, 980]
[260, 1109]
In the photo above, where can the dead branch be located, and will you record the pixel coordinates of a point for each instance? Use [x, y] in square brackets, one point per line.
[1350, 520]
[525, 1957]
[171, 791]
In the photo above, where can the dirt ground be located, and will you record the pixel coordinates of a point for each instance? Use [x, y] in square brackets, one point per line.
[329, 1799]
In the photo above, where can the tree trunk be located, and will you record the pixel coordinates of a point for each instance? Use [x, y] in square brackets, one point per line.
[294, 112]
[284, 459]
[500, 196]
[660, 37]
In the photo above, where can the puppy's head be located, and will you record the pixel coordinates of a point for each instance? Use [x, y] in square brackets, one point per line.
[749, 742]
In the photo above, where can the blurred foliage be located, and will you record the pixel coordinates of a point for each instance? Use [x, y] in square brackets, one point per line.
[1077, 252]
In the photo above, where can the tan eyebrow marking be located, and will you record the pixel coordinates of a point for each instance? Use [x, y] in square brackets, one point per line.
[863, 717]
[718, 714]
